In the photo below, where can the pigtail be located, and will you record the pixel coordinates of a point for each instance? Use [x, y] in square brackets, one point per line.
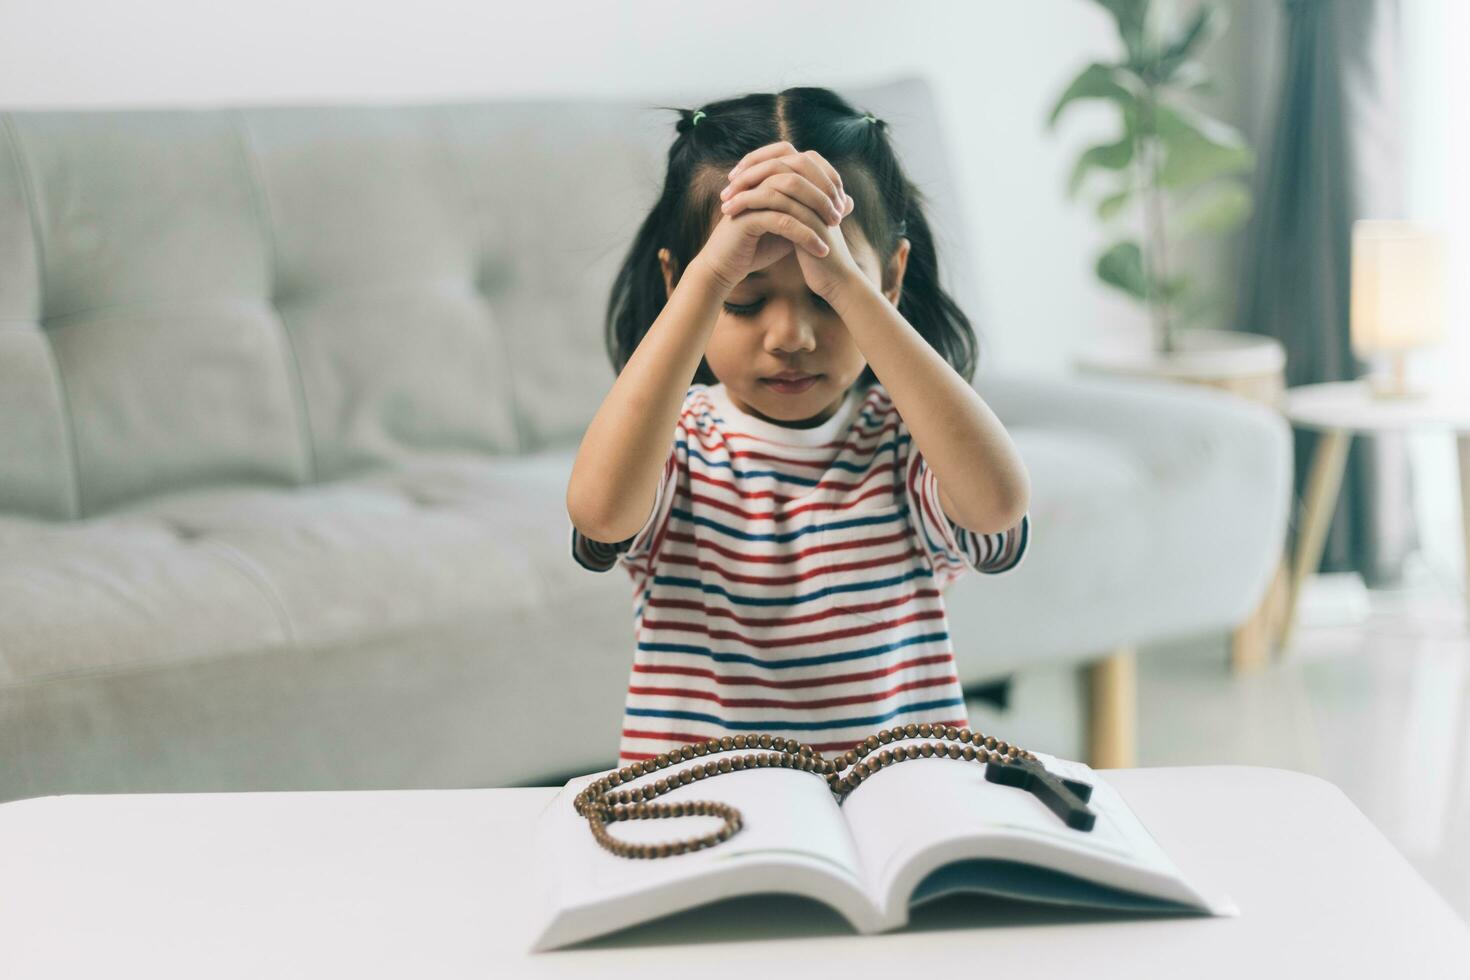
[638, 292]
[924, 303]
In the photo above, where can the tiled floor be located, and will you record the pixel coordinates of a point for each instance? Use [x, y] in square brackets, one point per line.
[1381, 707]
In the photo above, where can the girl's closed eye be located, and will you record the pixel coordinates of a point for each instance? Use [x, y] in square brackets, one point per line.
[749, 309]
[742, 309]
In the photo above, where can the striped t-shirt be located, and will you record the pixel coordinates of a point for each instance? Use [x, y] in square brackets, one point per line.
[789, 580]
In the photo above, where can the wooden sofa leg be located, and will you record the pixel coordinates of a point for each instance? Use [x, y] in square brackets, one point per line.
[1112, 717]
[1250, 644]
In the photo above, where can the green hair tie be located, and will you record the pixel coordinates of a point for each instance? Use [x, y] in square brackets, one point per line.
[869, 117]
[698, 115]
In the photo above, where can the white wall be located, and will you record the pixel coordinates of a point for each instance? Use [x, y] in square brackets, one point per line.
[997, 68]
[1437, 159]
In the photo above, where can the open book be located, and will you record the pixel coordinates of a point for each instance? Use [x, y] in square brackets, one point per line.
[910, 833]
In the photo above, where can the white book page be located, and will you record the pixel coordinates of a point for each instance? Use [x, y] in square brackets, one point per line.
[913, 817]
[793, 839]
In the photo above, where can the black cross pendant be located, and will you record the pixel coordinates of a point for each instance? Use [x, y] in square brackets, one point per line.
[1067, 798]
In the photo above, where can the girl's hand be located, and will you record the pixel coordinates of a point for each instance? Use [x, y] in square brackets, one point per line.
[780, 200]
[762, 176]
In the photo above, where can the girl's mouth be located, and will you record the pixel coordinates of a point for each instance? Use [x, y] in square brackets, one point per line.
[791, 386]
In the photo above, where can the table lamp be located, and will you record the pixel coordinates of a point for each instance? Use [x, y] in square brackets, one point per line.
[1398, 298]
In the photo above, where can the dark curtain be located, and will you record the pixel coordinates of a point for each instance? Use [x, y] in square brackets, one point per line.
[1334, 157]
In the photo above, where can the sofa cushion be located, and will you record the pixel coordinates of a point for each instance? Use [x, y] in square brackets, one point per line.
[89, 597]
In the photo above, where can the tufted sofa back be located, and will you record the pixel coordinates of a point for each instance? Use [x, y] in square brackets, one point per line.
[292, 294]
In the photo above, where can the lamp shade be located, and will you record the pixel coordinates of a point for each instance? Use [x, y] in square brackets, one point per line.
[1398, 286]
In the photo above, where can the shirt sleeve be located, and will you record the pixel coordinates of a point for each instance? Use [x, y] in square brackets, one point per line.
[951, 548]
[636, 552]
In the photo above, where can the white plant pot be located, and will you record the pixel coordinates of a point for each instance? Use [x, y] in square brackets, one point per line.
[1199, 354]
[1246, 363]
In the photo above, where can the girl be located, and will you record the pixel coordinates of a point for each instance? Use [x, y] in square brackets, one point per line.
[791, 517]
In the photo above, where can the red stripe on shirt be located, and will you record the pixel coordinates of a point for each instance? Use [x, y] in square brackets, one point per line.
[695, 605]
[746, 556]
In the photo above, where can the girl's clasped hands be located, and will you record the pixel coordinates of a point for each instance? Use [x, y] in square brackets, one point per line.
[779, 199]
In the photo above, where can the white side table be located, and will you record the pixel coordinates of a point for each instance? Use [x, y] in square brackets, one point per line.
[1339, 410]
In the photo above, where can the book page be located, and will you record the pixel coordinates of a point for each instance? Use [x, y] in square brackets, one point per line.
[793, 839]
[916, 816]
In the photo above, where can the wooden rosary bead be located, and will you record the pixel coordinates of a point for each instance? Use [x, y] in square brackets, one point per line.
[600, 803]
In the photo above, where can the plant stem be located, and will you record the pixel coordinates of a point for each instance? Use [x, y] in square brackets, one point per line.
[1155, 254]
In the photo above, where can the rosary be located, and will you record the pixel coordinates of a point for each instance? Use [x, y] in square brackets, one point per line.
[1007, 765]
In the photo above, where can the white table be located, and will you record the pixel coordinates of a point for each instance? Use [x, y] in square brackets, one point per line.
[1339, 410]
[426, 883]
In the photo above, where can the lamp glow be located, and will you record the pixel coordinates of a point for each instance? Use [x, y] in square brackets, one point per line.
[1398, 296]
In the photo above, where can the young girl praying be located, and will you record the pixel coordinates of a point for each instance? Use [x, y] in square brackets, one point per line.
[792, 464]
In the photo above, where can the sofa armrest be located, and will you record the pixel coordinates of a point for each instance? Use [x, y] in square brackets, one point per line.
[1159, 510]
[1169, 427]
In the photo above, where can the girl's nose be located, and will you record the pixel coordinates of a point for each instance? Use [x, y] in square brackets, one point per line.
[789, 330]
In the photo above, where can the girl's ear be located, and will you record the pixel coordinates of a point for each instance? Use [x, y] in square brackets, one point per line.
[893, 275]
[670, 270]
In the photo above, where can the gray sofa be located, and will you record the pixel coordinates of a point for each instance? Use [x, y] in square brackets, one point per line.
[288, 402]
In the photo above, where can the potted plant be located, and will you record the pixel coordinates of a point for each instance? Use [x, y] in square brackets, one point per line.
[1172, 174]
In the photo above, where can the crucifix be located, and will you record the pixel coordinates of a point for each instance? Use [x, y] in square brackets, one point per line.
[1067, 798]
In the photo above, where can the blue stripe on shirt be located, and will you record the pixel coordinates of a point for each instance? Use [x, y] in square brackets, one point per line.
[804, 726]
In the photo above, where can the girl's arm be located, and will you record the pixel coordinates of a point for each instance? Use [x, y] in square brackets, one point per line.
[983, 484]
[616, 474]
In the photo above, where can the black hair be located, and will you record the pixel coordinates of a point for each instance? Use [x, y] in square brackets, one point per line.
[712, 139]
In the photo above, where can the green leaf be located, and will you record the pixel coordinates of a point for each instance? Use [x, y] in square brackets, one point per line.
[1194, 306]
[1109, 206]
[1106, 156]
[1130, 15]
[1216, 208]
[1172, 290]
[1198, 148]
[1207, 25]
[1097, 81]
[1122, 268]
[1192, 76]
